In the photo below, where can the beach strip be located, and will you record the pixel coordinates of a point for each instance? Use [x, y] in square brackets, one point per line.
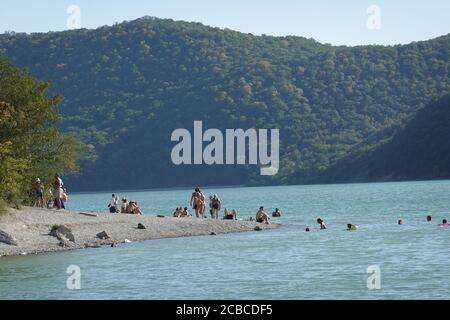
[28, 230]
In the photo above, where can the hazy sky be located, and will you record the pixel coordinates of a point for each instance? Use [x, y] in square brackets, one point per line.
[335, 22]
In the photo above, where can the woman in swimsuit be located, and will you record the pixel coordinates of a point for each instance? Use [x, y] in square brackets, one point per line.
[215, 203]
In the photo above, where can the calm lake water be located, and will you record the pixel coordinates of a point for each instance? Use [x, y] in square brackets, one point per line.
[287, 263]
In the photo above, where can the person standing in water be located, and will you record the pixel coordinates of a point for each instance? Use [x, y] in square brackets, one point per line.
[198, 203]
[276, 213]
[323, 226]
[215, 204]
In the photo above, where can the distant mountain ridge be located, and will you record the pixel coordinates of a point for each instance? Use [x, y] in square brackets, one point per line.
[420, 149]
[128, 86]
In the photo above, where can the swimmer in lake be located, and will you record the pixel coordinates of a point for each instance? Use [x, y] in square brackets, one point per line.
[351, 227]
[276, 213]
[321, 223]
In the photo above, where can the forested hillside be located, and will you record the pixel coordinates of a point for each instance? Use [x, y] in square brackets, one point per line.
[420, 150]
[128, 86]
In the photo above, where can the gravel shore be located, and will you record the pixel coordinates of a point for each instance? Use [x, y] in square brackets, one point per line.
[30, 228]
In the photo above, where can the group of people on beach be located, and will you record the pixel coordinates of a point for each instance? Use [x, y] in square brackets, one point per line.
[198, 204]
[127, 207]
[56, 197]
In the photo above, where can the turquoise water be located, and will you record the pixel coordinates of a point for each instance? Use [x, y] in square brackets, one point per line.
[287, 263]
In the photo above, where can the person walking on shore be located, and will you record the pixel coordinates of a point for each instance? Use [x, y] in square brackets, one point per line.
[39, 193]
[198, 203]
[57, 193]
[215, 204]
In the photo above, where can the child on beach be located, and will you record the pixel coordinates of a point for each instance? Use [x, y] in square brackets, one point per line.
[39, 193]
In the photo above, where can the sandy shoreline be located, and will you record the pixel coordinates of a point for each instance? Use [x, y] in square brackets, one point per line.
[30, 227]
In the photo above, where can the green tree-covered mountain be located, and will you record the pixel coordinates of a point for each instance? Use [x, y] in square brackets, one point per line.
[419, 150]
[128, 86]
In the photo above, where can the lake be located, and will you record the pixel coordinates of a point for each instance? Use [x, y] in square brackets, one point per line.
[286, 263]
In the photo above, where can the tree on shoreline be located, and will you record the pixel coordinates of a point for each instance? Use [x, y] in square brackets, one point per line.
[30, 144]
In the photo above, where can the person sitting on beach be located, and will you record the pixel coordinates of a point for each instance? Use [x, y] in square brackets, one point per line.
[444, 223]
[322, 224]
[262, 216]
[180, 213]
[185, 213]
[133, 208]
[123, 208]
[229, 215]
[198, 203]
[113, 204]
[276, 213]
[215, 203]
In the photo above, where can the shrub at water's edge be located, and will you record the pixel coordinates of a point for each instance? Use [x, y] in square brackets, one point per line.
[30, 144]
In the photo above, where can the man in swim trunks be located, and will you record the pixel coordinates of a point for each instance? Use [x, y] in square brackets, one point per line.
[262, 216]
[198, 203]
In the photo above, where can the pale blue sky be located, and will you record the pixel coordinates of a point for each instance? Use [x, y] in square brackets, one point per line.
[335, 22]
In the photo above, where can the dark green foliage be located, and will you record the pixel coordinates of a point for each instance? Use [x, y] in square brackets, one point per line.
[30, 145]
[127, 87]
[420, 150]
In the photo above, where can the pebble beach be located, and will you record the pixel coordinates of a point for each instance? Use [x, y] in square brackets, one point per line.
[27, 231]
